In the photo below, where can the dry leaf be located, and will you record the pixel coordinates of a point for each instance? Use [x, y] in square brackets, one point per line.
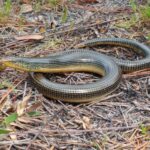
[86, 123]
[26, 8]
[13, 136]
[21, 106]
[78, 121]
[42, 30]
[34, 106]
[29, 37]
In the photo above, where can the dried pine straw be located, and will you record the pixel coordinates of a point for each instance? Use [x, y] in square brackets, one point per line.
[120, 121]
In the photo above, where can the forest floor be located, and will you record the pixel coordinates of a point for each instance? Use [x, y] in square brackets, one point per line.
[29, 120]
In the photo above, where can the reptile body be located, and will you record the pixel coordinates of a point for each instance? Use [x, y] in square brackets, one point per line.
[81, 60]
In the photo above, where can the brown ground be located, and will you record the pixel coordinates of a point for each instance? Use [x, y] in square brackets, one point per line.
[120, 121]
